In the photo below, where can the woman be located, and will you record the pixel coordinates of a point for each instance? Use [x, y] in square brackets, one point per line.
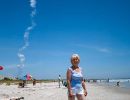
[75, 83]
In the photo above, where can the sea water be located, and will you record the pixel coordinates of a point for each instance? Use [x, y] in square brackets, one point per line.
[124, 83]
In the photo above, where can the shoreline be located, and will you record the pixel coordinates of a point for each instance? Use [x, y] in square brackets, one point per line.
[103, 92]
[114, 88]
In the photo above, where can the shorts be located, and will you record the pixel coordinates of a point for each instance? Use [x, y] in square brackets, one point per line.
[77, 91]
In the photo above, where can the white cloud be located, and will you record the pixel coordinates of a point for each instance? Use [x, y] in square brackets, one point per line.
[97, 48]
[21, 56]
[27, 33]
[33, 3]
[105, 50]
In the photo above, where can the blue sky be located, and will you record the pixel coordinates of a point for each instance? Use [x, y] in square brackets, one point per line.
[98, 30]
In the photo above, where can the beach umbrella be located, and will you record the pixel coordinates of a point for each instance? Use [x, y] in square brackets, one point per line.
[1, 68]
[28, 77]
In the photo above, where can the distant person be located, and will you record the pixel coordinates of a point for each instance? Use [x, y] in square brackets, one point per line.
[34, 82]
[62, 81]
[118, 83]
[59, 80]
[75, 83]
[108, 80]
[24, 83]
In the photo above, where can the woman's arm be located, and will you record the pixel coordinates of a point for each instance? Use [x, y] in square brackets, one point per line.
[68, 75]
[84, 87]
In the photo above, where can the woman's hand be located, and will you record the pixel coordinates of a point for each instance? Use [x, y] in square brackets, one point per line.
[70, 93]
[85, 92]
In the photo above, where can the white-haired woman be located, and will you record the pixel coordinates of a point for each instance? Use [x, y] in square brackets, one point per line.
[75, 83]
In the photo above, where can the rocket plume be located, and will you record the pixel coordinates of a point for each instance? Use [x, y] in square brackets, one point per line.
[26, 36]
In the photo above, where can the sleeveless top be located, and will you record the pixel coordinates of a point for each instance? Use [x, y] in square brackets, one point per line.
[76, 79]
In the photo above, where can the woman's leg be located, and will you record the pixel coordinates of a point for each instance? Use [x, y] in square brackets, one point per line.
[71, 98]
[80, 97]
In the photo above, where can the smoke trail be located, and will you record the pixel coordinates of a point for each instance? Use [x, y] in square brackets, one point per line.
[26, 36]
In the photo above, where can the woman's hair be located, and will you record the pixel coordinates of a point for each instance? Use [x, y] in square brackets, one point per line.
[74, 56]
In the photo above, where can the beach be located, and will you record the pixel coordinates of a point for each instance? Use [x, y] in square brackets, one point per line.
[51, 91]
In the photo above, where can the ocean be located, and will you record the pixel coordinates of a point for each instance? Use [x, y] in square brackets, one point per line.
[123, 83]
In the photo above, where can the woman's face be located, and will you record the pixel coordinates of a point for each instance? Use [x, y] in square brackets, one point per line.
[75, 61]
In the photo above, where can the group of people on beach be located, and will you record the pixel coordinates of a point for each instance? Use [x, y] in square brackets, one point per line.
[75, 82]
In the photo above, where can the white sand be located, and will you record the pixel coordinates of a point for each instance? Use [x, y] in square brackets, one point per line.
[96, 92]
[50, 91]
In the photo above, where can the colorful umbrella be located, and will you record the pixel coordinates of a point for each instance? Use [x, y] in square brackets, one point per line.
[28, 77]
[1, 68]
